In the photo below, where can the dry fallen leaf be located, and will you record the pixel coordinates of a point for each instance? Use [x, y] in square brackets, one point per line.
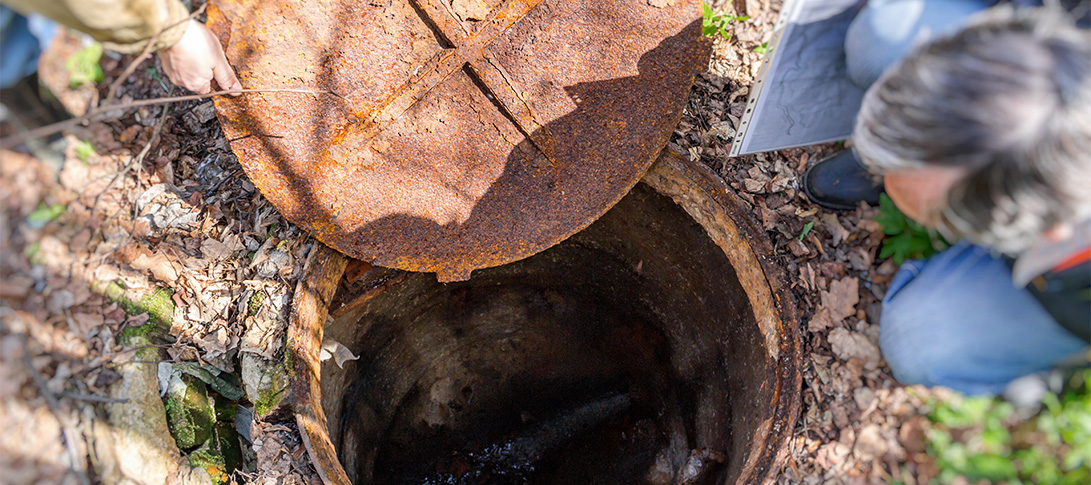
[214, 342]
[159, 266]
[141, 259]
[850, 345]
[869, 225]
[88, 321]
[138, 320]
[870, 443]
[753, 185]
[806, 275]
[16, 287]
[912, 434]
[841, 298]
[820, 321]
[59, 301]
[781, 182]
[840, 414]
[214, 250]
[832, 455]
[837, 231]
[768, 218]
[798, 248]
[863, 397]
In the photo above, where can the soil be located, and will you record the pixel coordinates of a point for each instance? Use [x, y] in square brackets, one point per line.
[160, 242]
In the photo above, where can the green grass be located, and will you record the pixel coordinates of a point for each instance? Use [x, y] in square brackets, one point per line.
[713, 23]
[44, 214]
[806, 230]
[981, 438]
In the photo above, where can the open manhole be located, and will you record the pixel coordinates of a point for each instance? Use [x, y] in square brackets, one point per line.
[655, 346]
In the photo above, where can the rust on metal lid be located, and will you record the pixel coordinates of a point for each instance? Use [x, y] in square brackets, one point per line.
[463, 134]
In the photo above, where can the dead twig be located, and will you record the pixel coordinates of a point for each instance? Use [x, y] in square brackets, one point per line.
[217, 185]
[261, 135]
[142, 155]
[93, 115]
[108, 359]
[92, 398]
[125, 170]
[144, 55]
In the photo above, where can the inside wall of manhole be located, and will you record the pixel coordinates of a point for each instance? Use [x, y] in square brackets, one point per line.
[627, 354]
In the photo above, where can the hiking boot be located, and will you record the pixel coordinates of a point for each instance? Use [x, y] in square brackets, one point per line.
[841, 182]
[26, 106]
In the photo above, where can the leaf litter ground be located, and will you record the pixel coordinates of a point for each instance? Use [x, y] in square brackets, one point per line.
[162, 232]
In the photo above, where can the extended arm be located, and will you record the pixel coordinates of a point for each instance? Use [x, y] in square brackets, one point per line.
[191, 55]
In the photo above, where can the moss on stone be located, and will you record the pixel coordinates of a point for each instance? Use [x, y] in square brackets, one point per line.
[225, 408]
[149, 331]
[217, 381]
[210, 458]
[114, 291]
[289, 357]
[189, 411]
[159, 305]
[268, 400]
[220, 456]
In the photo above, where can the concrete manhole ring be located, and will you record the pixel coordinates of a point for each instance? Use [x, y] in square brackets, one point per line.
[657, 336]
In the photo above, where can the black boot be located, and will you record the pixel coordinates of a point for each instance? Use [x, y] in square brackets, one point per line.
[28, 105]
[840, 182]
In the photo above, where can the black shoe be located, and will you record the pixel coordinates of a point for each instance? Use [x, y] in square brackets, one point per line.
[26, 106]
[840, 182]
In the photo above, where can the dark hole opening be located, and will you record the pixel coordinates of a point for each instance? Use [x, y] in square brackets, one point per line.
[626, 354]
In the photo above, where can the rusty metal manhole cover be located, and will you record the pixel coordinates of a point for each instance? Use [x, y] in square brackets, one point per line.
[465, 133]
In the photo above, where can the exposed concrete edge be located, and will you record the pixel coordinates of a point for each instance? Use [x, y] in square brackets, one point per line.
[709, 201]
[310, 306]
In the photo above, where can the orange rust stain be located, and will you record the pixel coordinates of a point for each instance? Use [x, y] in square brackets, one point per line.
[454, 191]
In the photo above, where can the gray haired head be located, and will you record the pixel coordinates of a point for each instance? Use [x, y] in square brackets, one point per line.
[1009, 99]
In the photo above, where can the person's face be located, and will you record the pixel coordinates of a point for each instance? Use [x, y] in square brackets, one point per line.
[921, 193]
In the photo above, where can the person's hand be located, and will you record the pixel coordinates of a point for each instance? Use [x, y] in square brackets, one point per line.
[195, 60]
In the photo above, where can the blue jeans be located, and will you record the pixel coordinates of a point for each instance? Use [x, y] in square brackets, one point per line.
[957, 320]
[886, 30]
[22, 40]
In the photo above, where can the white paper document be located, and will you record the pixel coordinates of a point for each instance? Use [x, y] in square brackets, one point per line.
[803, 94]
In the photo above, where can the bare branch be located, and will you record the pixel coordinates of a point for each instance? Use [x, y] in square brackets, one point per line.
[92, 398]
[69, 431]
[99, 113]
[144, 55]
